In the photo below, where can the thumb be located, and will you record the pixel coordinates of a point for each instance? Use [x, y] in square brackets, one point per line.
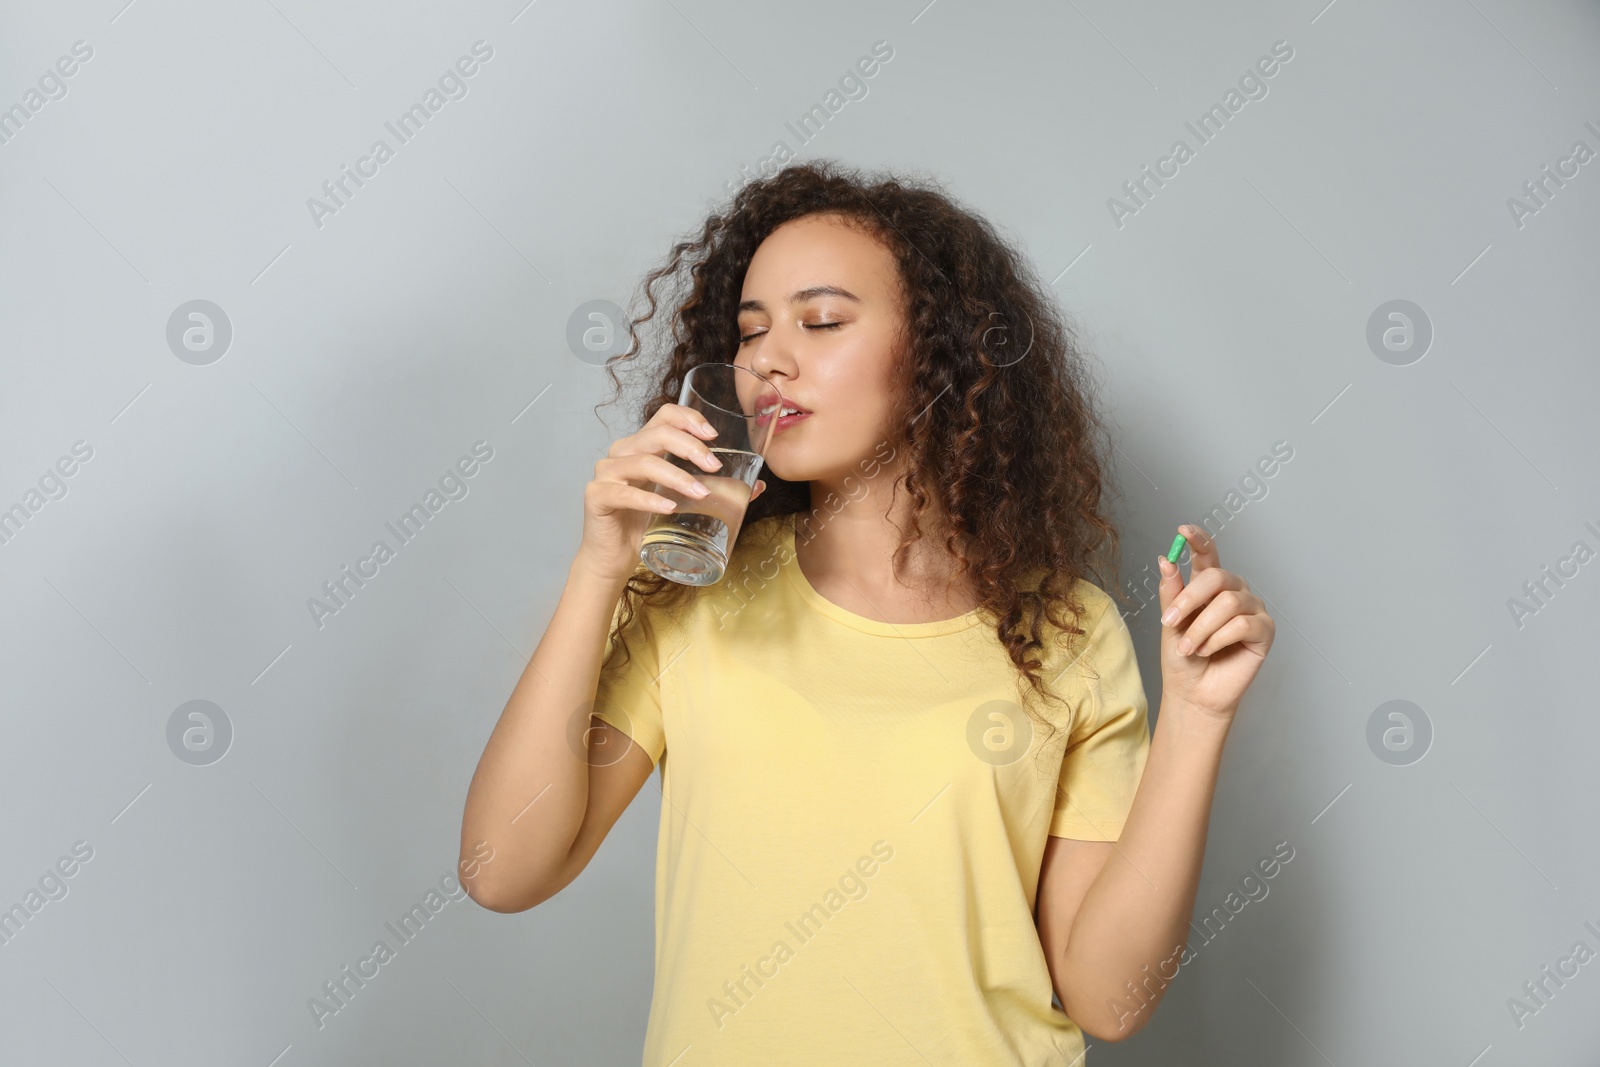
[1170, 586]
[761, 487]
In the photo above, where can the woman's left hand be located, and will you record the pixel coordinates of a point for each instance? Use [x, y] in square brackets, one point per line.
[1218, 635]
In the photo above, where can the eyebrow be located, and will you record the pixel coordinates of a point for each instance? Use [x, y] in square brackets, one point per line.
[804, 295]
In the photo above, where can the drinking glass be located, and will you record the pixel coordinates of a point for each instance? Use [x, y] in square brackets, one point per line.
[690, 543]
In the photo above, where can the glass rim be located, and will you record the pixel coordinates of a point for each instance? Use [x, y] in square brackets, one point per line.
[688, 380]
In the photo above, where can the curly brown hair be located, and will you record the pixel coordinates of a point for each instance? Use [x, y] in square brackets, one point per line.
[1012, 463]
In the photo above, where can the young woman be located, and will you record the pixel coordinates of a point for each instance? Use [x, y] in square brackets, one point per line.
[908, 787]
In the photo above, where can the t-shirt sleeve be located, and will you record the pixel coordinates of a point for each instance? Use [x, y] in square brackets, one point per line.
[1109, 738]
[629, 697]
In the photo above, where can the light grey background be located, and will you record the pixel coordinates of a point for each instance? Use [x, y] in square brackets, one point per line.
[370, 353]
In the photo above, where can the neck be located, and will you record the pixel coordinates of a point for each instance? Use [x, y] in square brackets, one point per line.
[853, 541]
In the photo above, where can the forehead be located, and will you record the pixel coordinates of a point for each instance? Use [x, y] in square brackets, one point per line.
[818, 250]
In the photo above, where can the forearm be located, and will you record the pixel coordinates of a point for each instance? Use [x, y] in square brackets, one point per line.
[529, 794]
[1136, 913]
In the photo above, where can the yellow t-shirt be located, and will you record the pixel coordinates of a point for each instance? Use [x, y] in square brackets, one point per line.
[854, 818]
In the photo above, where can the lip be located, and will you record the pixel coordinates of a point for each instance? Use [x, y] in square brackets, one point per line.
[784, 421]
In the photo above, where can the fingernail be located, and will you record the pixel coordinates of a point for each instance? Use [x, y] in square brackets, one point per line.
[698, 490]
[1170, 617]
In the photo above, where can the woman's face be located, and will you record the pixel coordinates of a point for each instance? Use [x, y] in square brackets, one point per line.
[820, 316]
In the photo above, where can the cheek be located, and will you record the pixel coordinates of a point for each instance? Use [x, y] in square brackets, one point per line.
[875, 386]
[859, 418]
[858, 381]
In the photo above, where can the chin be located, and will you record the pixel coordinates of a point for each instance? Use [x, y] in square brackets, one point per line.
[785, 467]
[809, 468]
[792, 467]
[817, 459]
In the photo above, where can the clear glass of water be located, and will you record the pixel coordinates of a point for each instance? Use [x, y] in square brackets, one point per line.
[690, 544]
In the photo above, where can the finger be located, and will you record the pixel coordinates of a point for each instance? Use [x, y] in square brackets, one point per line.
[646, 467]
[685, 418]
[619, 496]
[657, 440]
[1202, 549]
[761, 487]
[1203, 585]
[1170, 586]
[1231, 632]
[1213, 616]
[670, 418]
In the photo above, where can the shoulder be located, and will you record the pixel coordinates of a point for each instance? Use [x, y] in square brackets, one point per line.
[1097, 603]
[1098, 621]
[1085, 601]
[753, 560]
[764, 531]
[762, 546]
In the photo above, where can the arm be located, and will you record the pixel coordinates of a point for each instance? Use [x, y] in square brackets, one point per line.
[543, 796]
[1114, 916]
[535, 798]
[1109, 909]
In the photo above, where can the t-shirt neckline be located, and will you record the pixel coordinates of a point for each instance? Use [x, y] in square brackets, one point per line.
[822, 604]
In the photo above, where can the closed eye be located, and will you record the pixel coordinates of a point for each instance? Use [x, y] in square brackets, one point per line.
[807, 325]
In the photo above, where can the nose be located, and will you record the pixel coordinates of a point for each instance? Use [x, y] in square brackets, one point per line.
[774, 358]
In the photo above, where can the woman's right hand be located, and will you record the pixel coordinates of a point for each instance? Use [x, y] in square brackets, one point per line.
[618, 505]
